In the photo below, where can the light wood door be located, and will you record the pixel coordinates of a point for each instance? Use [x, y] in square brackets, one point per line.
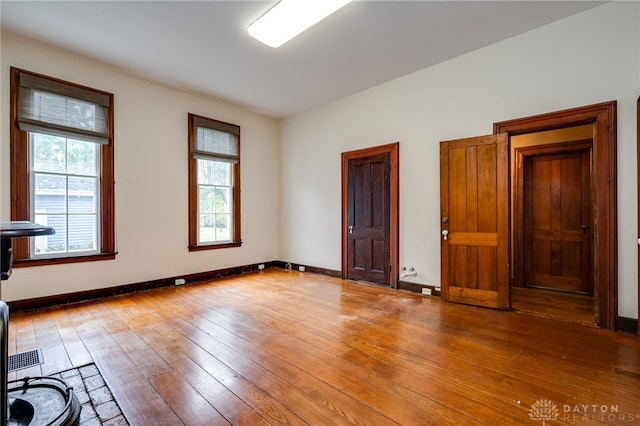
[557, 221]
[474, 198]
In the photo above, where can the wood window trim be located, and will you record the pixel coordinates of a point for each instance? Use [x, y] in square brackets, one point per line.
[603, 117]
[19, 185]
[193, 193]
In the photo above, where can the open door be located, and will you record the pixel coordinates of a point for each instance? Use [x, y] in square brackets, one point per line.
[474, 185]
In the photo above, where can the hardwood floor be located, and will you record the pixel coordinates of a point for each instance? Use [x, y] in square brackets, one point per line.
[283, 347]
[571, 307]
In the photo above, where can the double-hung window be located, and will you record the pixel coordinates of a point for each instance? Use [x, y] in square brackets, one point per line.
[214, 184]
[62, 168]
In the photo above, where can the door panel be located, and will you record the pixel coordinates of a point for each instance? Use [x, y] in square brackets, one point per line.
[557, 221]
[474, 204]
[368, 217]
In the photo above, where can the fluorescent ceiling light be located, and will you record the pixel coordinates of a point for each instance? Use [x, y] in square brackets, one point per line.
[288, 18]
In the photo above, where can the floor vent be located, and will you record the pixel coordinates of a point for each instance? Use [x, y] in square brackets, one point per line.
[25, 360]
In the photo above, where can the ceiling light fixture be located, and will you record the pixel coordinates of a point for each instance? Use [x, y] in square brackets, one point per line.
[288, 18]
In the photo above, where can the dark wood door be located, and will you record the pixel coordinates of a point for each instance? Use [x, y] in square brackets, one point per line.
[557, 221]
[368, 219]
[474, 221]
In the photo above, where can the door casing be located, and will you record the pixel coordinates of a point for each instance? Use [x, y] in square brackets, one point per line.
[394, 205]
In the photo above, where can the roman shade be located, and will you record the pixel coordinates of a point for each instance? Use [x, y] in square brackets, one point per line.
[60, 109]
[215, 140]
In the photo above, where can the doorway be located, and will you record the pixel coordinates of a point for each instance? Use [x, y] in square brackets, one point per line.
[370, 207]
[600, 122]
[462, 238]
[552, 224]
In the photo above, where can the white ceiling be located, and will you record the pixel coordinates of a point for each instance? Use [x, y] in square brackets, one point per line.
[203, 46]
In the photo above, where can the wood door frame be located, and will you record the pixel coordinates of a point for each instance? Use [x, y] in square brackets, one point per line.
[517, 194]
[603, 117]
[394, 205]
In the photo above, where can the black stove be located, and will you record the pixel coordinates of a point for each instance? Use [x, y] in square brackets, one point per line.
[32, 401]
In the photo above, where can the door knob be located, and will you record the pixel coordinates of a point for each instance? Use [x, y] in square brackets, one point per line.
[350, 229]
[445, 234]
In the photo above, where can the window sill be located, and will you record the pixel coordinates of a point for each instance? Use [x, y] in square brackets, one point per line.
[215, 246]
[23, 263]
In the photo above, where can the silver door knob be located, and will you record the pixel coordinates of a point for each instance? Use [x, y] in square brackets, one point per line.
[445, 234]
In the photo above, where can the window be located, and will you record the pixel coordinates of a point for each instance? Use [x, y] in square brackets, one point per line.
[214, 184]
[61, 169]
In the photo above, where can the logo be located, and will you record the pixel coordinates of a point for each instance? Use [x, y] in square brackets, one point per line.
[544, 410]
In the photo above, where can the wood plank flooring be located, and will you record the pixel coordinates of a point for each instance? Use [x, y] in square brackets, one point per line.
[283, 347]
[559, 305]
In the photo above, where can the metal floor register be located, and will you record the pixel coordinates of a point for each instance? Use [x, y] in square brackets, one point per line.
[24, 360]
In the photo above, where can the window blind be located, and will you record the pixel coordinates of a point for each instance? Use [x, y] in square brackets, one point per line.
[60, 109]
[215, 140]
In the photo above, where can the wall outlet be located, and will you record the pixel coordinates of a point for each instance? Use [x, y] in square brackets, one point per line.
[180, 281]
[261, 267]
[426, 291]
[301, 268]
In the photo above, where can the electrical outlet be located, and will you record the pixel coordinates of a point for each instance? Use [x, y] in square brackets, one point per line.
[426, 291]
[261, 267]
[301, 268]
[180, 281]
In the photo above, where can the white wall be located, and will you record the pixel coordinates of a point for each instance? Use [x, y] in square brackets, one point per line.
[151, 178]
[589, 58]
